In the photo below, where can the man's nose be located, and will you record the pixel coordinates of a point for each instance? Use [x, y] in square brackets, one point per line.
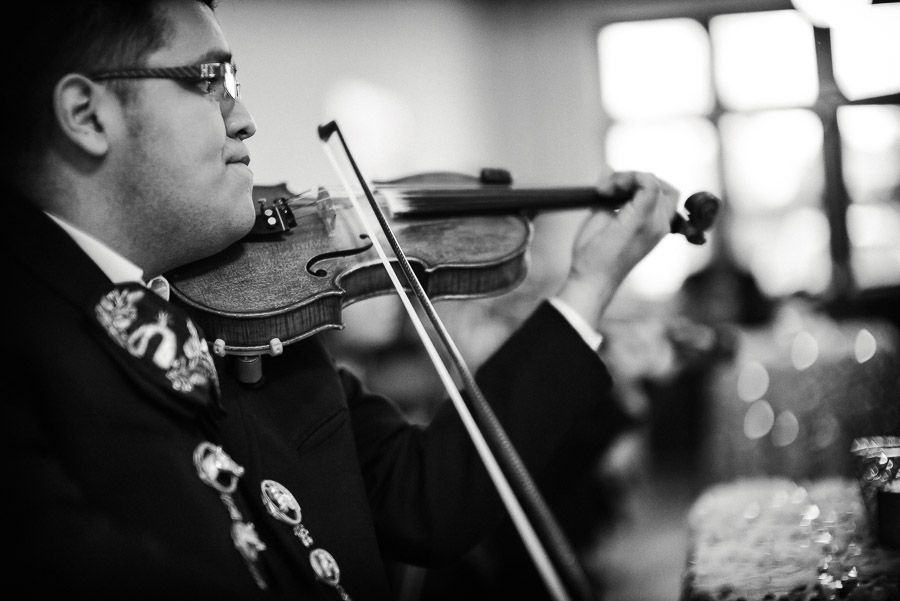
[238, 120]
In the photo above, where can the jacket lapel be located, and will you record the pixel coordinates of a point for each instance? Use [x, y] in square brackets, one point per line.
[158, 344]
[154, 342]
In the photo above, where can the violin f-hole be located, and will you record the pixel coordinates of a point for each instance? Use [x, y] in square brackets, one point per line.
[334, 254]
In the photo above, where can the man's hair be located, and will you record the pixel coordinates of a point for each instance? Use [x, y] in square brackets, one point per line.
[50, 38]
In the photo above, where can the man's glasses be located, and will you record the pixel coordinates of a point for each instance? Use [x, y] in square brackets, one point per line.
[221, 78]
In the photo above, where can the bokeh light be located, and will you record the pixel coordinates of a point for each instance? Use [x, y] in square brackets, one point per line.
[804, 350]
[785, 429]
[864, 346]
[759, 419]
[753, 381]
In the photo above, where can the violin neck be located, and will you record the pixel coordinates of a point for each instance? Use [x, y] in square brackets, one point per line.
[435, 202]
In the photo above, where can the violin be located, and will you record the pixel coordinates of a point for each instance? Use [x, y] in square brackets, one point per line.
[307, 256]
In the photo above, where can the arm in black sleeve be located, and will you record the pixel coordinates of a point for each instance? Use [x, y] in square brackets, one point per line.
[431, 495]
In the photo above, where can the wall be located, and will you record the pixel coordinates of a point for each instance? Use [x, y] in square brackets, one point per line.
[429, 84]
[405, 81]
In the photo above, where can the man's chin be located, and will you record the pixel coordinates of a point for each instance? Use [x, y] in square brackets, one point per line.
[237, 233]
[225, 240]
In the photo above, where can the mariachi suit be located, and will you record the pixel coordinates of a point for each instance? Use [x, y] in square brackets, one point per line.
[104, 496]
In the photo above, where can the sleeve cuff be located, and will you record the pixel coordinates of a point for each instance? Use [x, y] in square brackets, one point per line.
[591, 337]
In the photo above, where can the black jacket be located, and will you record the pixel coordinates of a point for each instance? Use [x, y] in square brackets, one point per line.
[103, 497]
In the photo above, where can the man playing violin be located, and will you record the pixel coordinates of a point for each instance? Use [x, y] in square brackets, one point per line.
[136, 464]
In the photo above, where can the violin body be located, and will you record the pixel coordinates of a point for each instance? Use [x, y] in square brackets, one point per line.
[273, 289]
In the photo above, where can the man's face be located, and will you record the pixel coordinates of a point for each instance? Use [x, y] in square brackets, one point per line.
[182, 153]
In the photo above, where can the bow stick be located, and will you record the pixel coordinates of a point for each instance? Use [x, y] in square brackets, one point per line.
[559, 568]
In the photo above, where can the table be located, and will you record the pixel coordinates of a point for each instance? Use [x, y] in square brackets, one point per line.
[771, 539]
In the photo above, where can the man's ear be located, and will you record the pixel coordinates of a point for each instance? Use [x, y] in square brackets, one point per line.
[78, 104]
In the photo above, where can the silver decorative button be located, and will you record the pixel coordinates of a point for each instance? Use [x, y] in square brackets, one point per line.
[280, 503]
[325, 567]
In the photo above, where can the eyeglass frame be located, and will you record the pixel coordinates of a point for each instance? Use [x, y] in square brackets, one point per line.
[224, 71]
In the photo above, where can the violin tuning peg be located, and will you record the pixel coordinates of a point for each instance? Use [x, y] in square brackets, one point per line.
[687, 228]
[702, 208]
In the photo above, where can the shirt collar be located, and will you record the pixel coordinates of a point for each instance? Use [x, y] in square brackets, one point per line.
[116, 267]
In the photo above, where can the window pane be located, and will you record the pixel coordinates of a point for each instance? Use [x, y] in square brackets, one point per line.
[773, 160]
[764, 59]
[683, 151]
[774, 179]
[871, 150]
[654, 68]
[874, 231]
[865, 51]
[870, 137]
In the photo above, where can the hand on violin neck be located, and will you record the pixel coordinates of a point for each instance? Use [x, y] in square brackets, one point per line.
[609, 244]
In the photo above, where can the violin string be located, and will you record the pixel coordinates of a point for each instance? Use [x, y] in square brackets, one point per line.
[514, 508]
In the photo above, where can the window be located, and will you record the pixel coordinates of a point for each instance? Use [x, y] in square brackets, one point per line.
[795, 125]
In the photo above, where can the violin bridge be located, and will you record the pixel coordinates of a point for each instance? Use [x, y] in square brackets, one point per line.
[325, 210]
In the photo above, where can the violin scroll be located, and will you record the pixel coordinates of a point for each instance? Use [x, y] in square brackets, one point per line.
[701, 209]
